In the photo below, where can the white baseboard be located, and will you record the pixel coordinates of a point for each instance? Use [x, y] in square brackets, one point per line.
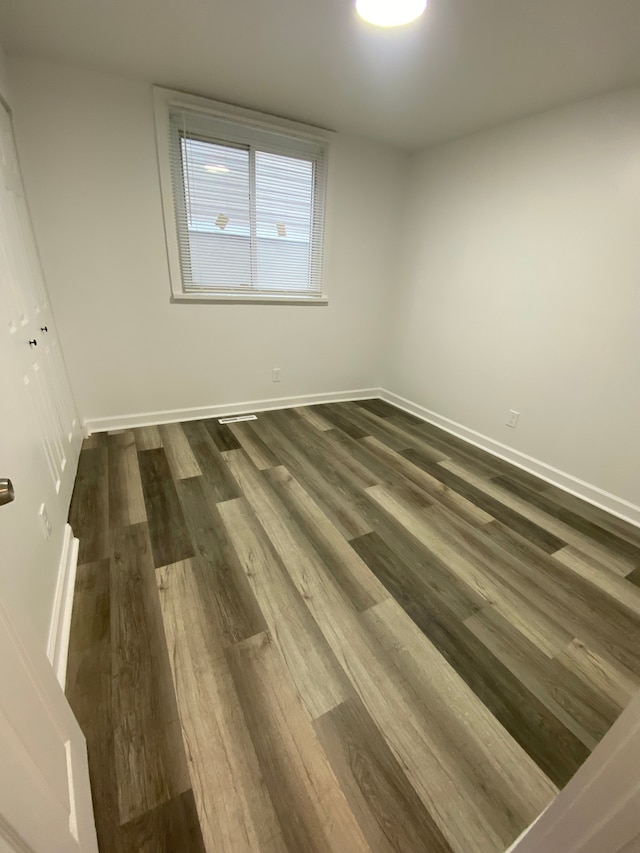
[592, 494]
[567, 482]
[58, 644]
[92, 425]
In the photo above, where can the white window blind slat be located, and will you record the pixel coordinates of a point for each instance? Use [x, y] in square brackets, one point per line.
[249, 207]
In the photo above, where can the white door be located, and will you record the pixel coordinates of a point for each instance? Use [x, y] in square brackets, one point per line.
[45, 798]
[27, 320]
[40, 434]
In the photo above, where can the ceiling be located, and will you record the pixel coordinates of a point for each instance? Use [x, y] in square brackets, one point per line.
[465, 65]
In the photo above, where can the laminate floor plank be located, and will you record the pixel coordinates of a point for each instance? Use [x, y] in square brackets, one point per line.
[234, 807]
[433, 440]
[617, 526]
[412, 575]
[96, 439]
[610, 585]
[601, 673]
[368, 452]
[88, 690]
[150, 765]
[390, 813]
[556, 750]
[389, 433]
[318, 446]
[170, 538]
[217, 570]
[541, 537]
[617, 545]
[148, 438]
[222, 436]
[255, 448]
[634, 577]
[458, 450]
[211, 462]
[548, 521]
[89, 511]
[309, 414]
[326, 488]
[378, 407]
[337, 628]
[126, 499]
[343, 562]
[180, 457]
[333, 413]
[313, 809]
[582, 709]
[398, 714]
[441, 538]
[89, 658]
[167, 828]
[479, 749]
[430, 485]
[301, 646]
[588, 614]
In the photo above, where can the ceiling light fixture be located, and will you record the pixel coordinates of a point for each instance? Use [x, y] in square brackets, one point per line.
[390, 13]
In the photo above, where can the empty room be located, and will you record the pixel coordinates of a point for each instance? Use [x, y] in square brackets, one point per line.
[319, 467]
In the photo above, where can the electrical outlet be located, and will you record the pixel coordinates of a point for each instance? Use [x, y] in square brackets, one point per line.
[44, 521]
[512, 420]
[275, 374]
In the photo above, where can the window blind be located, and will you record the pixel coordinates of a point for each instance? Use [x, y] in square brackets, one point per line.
[249, 207]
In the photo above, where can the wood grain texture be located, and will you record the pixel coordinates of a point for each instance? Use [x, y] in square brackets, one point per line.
[180, 457]
[89, 511]
[313, 417]
[548, 521]
[302, 647]
[148, 438]
[167, 828]
[313, 810]
[479, 753]
[218, 570]
[169, 535]
[349, 570]
[235, 809]
[390, 813]
[219, 485]
[255, 448]
[326, 485]
[150, 765]
[337, 628]
[126, 499]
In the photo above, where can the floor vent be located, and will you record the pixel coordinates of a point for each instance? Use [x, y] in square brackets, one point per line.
[237, 419]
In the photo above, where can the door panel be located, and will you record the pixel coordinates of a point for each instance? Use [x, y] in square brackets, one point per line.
[45, 799]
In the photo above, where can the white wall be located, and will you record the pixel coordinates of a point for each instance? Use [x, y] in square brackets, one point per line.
[88, 152]
[521, 288]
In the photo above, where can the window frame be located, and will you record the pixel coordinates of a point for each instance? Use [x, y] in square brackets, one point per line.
[164, 101]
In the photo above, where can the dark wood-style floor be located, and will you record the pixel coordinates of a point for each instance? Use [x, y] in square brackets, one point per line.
[337, 628]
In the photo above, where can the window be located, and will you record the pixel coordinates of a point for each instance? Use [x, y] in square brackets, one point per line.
[243, 201]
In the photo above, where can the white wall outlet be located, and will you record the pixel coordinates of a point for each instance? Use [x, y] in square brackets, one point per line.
[275, 374]
[43, 515]
[512, 420]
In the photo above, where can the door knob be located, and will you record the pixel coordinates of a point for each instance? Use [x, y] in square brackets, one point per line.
[33, 343]
[44, 328]
[6, 492]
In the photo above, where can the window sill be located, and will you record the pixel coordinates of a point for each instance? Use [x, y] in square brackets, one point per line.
[237, 298]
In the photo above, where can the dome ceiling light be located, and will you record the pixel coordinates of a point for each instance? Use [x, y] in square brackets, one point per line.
[390, 13]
